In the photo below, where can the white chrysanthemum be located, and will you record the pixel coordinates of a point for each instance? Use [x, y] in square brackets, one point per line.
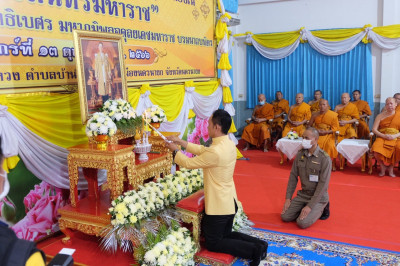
[101, 119]
[93, 126]
[118, 116]
[103, 129]
[150, 257]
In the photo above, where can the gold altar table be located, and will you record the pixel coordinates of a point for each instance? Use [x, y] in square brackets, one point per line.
[157, 164]
[116, 159]
[90, 215]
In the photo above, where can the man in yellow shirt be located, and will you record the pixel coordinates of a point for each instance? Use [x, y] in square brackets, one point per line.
[218, 163]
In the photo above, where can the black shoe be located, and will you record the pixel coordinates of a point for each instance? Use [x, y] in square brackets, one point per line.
[257, 255]
[325, 214]
[264, 249]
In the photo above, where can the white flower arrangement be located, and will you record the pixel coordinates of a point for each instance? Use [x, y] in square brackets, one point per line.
[292, 135]
[175, 248]
[100, 124]
[155, 114]
[122, 114]
[241, 223]
[136, 205]
[118, 109]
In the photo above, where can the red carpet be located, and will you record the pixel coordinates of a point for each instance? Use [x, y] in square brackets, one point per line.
[87, 251]
[364, 208]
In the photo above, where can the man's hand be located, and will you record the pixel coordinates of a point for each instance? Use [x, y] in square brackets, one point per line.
[174, 139]
[342, 122]
[304, 212]
[171, 145]
[390, 137]
[286, 206]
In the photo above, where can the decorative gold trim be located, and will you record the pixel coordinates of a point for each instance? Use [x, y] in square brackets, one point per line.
[79, 35]
[195, 219]
[208, 261]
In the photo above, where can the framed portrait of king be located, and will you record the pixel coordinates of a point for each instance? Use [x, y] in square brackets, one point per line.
[100, 70]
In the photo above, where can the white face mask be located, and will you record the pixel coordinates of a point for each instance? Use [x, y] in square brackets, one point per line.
[306, 143]
[261, 103]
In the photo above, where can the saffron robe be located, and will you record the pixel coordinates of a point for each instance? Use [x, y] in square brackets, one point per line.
[297, 114]
[388, 150]
[281, 106]
[363, 128]
[327, 121]
[349, 112]
[257, 133]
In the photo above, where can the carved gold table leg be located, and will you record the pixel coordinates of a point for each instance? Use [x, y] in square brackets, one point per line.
[282, 157]
[67, 232]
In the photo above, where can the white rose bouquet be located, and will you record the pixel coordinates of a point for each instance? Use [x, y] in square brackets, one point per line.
[122, 114]
[155, 114]
[100, 124]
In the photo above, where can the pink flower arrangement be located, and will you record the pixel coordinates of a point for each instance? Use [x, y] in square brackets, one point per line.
[41, 205]
[200, 131]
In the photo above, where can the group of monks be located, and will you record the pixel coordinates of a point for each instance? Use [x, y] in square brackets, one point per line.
[269, 122]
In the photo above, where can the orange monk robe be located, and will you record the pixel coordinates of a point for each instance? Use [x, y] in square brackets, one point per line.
[349, 112]
[315, 107]
[281, 106]
[257, 133]
[388, 150]
[363, 127]
[398, 108]
[327, 121]
[299, 113]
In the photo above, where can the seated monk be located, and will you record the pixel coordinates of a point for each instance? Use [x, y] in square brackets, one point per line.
[364, 111]
[314, 104]
[347, 114]
[299, 115]
[327, 123]
[281, 108]
[257, 132]
[386, 128]
[396, 96]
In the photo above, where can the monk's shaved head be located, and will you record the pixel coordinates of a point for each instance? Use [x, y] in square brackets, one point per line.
[323, 105]
[299, 98]
[345, 98]
[261, 97]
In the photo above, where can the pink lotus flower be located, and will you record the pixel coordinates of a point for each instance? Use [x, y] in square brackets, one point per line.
[41, 205]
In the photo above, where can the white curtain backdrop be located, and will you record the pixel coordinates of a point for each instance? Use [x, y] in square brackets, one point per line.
[331, 47]
[325, 47]
[44, 159]
[271, 53]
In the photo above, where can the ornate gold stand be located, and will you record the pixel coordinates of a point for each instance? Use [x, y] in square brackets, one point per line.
[194, 219]
[115, 159]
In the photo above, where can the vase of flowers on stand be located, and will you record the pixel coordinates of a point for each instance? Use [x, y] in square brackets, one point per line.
[155, 116]
[123, 115]
[101, 127]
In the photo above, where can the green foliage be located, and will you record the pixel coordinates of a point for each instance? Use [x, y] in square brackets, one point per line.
[128, 126]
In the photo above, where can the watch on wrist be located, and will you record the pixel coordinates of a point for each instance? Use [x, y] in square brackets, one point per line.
[174, 153]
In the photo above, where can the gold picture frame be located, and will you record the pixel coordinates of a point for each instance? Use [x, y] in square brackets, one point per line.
[100, 70]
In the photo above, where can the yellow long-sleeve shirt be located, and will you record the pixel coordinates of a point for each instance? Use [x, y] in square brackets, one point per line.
[218, 162]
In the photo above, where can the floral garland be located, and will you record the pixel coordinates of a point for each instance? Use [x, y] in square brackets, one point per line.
[155, 114]
[100, 124]
[133, 206]
[122, 114]
[174, 246]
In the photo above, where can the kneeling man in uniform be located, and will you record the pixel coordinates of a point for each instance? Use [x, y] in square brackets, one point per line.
[313, 166]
